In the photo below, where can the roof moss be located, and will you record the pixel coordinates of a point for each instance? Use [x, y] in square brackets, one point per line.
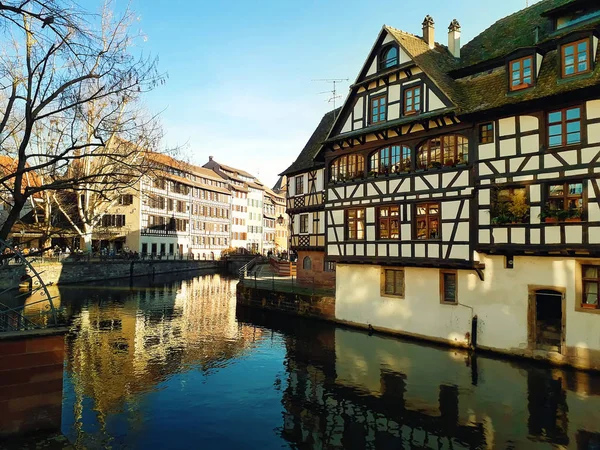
[510, 33]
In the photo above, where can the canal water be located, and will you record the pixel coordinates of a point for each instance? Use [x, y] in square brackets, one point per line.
[170, 363]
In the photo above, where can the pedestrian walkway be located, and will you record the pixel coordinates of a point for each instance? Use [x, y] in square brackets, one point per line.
[267, 271]
[263, 276]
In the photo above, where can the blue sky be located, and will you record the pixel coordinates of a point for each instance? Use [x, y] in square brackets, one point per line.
[240, 72]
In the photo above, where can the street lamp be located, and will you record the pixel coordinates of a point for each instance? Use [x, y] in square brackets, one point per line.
[280, 219]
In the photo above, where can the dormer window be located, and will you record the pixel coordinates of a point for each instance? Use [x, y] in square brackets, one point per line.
[577, 16]
[389, 57]
[575, 58]
[521, 71]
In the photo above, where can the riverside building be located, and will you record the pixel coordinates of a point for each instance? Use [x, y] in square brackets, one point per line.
[253, 210]
[306, 209]
[462, 187]
[177, 210]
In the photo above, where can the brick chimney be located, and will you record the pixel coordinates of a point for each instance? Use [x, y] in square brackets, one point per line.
[210, 158]
[428, 31]
[454, 38]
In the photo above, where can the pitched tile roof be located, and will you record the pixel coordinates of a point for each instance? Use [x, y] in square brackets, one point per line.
[8, 166]
[511, 32]
[169, 161]
[305, 159]
[436, 62]
[280, 184]
[488, 89]
[234, 170]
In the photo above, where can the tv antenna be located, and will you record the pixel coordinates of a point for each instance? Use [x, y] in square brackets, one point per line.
[333, 97]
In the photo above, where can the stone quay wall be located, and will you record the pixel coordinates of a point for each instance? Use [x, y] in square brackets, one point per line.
[70, 272]
[315, 306]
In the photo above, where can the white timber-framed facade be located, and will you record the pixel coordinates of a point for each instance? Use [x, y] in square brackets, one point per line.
[248, 223]
[176, 210]
[305, 206]
[462, 195]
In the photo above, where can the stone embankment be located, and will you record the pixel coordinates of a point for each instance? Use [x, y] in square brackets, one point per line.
[68, 272]
[265, 289]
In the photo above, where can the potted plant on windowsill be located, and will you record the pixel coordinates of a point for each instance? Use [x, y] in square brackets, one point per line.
[449, 162]
[574, 215]
[518, 207]
[502, 219]
[373, 174]
[549, 215]
[553, 215]
[434, 165]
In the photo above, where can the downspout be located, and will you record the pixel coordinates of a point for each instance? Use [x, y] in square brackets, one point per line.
[473, 335]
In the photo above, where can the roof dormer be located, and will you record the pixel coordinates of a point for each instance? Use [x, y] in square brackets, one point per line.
[573, 13]
[523, 67]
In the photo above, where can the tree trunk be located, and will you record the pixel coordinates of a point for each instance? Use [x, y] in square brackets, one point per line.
[12, 218]
[87, 238]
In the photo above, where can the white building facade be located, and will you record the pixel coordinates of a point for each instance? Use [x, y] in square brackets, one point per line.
[462, 188]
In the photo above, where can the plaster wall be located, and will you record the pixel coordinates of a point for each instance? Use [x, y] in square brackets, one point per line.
[500, 302]
[359, 300]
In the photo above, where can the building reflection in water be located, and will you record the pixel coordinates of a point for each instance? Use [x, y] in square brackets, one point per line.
[173, 364]
[349, 390]
[124, 343]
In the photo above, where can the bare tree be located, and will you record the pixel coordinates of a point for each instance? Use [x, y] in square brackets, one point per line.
[70, 109]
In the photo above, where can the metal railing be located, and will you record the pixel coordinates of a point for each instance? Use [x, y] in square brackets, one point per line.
[32, 292]
[243, 272]
[96, 256]
[287, 284]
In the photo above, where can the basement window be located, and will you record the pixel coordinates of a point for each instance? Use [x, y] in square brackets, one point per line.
[591, 282]
[448, 285]
[392, 282]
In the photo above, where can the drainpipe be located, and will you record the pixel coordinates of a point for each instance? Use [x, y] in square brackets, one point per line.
[474, 332]
[473, 335]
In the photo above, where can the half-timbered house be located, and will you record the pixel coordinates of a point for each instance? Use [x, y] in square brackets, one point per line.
[535, 103]
[462, 195]
[305, 207]
[400, 189]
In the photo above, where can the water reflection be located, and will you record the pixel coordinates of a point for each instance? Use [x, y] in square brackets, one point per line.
[353, 391]
[127, 342]
[171, 364]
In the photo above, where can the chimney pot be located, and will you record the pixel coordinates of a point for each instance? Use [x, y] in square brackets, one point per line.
[428, 31]
[454, 38]
[210, 158]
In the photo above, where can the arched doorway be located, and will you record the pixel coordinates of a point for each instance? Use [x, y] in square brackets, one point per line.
[547, 320]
